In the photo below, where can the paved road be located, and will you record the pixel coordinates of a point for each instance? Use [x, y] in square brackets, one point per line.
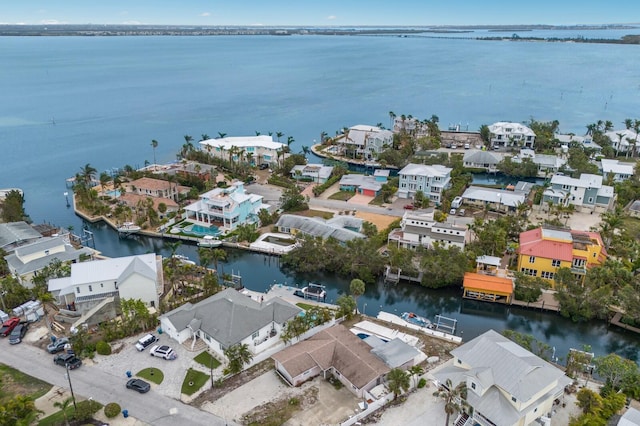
[88, 381]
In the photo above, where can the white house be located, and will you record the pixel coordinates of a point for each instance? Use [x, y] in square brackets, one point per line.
[25, 261]
[497, 199]
[15, 234]
[224, 208]
[479, 159]
[585, 141]
[506, 134]
[431, 180]
[619, 170]
[506, 384]
[253, 149]
[342, 228]
[547, 163]
[313, 172]
[229, 318]
[586, 192]
[367, 141]
[420, 230]
[131, 277]
[623, 140]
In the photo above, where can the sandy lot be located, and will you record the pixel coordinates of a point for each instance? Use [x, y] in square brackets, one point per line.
[379, 220]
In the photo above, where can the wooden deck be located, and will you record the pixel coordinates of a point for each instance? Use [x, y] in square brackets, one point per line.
[616, 321]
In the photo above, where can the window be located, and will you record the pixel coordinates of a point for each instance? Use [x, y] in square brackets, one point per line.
[555, 263]
[78, 290]
[473, 385]
[101, 285]
[255, 335]
[532, 259]
[578, 263]
[527, 271]
[590, 199]
[547, 275]
[513, 398]
[90, 287]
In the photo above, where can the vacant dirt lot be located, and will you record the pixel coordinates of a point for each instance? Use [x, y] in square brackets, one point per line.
[381, 221]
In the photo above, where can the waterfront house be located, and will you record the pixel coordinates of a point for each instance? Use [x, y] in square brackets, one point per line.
[585, 141]
[311, 173]
[255, 150]
[26, 261]
[133, 201]
[202, 171]
[342, 228]
[543, 250]
[365, 141]
[479, 159]
[496, 199]
[230, 318]
[99, 283]
[410, 125]
[156, 188]
[586, 192]
[547, 163]
[225, 208]
[511, 135]
[489, 282]
[431, 180]
[618, 170]
[15, 234]
[623, 141]
[506, 384]
[365, 185]
[333, 352]
[420, 230]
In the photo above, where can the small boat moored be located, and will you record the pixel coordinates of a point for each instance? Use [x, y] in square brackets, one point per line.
[416, 320]
[209, 241]
[128, 228]
[184, 259]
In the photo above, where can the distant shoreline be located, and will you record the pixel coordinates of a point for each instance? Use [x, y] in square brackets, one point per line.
[436, 31]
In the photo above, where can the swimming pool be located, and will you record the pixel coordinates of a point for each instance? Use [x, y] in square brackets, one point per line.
[365, 335]
[115, 193]
[201, 231]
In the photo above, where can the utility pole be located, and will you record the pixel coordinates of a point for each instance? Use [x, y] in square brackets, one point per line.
[75, 407]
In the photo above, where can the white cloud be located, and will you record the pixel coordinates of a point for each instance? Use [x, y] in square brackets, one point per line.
[51, 22]
[205, 14]
[132, 23]
[332, 17]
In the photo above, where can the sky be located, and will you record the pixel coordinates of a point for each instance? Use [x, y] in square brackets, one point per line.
[319, 12]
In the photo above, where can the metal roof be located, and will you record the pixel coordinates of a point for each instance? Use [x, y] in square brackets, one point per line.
[15, 232]
[318, 227]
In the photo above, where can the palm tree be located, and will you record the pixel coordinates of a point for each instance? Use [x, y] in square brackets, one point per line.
[188, 146]
[63, 406]
[250, 158]
[290, 140]
[415, 370]
[173, 248]
[257, 133]
[204, 137]
[104, 180]
[454, 398]
[392, 117]
[356, 288]
[154, 145]
[398, 381]
[238, 355]
[87, 173]
[305, 150]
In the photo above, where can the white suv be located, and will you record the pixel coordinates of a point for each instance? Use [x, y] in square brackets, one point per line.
[145, 341]
[163, 352]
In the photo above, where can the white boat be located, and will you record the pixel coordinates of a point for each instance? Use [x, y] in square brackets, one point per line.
[209, 241]
[128, 228]
[184, 259]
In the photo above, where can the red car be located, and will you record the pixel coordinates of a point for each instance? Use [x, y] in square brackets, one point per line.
[409, 207]
[8, 326]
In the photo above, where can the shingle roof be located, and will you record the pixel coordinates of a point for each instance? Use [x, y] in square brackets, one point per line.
[14, 232]
[230, 317]
[335, 347]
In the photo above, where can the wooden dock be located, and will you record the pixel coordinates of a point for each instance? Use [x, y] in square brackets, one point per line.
[546, 302]
[616, 321]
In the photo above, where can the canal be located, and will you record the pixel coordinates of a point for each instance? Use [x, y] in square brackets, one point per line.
[259, 272]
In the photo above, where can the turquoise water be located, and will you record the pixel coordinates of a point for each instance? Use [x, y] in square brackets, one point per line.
[113, 193]
[201, 231]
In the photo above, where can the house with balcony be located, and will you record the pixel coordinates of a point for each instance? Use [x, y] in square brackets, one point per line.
[547, 164]
[618, 170]
[490, 282]
[479, 159]
[585, 141]
[431, 180]
[496, 199]
[543, 250]
[255, 150]
[420, 230]
[511, 135]
[365, 141]
[317, 173]
[156, 188]
[623, 141]
[103, 283]
[230, 318]
[586, 193]
[506, 384]
[225, 208]
[26, 261]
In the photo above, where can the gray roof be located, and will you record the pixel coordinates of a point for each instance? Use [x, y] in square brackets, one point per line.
[45, 243]
[318, 227]
[16, 232]
[499, 196]
[481, 157]
[635, 206]
[21, 268]
[421, 230]
[230, 317]
[395, 353]
[630, 418]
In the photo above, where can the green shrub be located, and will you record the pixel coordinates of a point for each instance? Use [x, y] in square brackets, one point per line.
[422, 383]
[103, 348]
[112, 409]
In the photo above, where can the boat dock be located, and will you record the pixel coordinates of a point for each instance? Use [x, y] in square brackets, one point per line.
[394, 319]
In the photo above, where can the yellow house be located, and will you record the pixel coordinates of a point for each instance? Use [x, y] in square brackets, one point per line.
[543, 250]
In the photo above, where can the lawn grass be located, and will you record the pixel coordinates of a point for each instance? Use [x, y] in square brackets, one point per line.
[15, 383]
[193, 381]
[57, 418]
[207, 360]
[342, 195]
[632, 226]
[314, 213]
[378, 200]
[154, 375]
[304, 306]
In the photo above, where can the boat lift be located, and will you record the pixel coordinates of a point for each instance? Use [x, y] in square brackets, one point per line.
[445, 324]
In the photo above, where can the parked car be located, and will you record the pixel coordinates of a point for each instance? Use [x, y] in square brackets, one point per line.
[138, 385]
[452, 211]
[163, 351]
[263, 166]
[461, 212]
[58, 345]
[409, 207]
[67, 359]
[145, 342]
[8, 326]
[18, 333]
[467, 146]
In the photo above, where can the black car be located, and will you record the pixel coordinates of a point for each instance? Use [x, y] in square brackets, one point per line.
[18, 333]
[67, 359]
[263, 166]
[138, 385]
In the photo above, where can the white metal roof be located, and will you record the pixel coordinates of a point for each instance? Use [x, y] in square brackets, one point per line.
[616, 167]
[435, 170]
[500, 128]
[499, 196]
[263, 141]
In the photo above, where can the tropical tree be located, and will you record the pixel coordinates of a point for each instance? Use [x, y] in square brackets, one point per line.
[398, 381]
[415, 371]
[87, 173]
[279, 135]
[173, 248]
[238, 355]
[105, 178]
[63, 405]
[454, 397]
[614, 369]
[346, 306]
[356, 288]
